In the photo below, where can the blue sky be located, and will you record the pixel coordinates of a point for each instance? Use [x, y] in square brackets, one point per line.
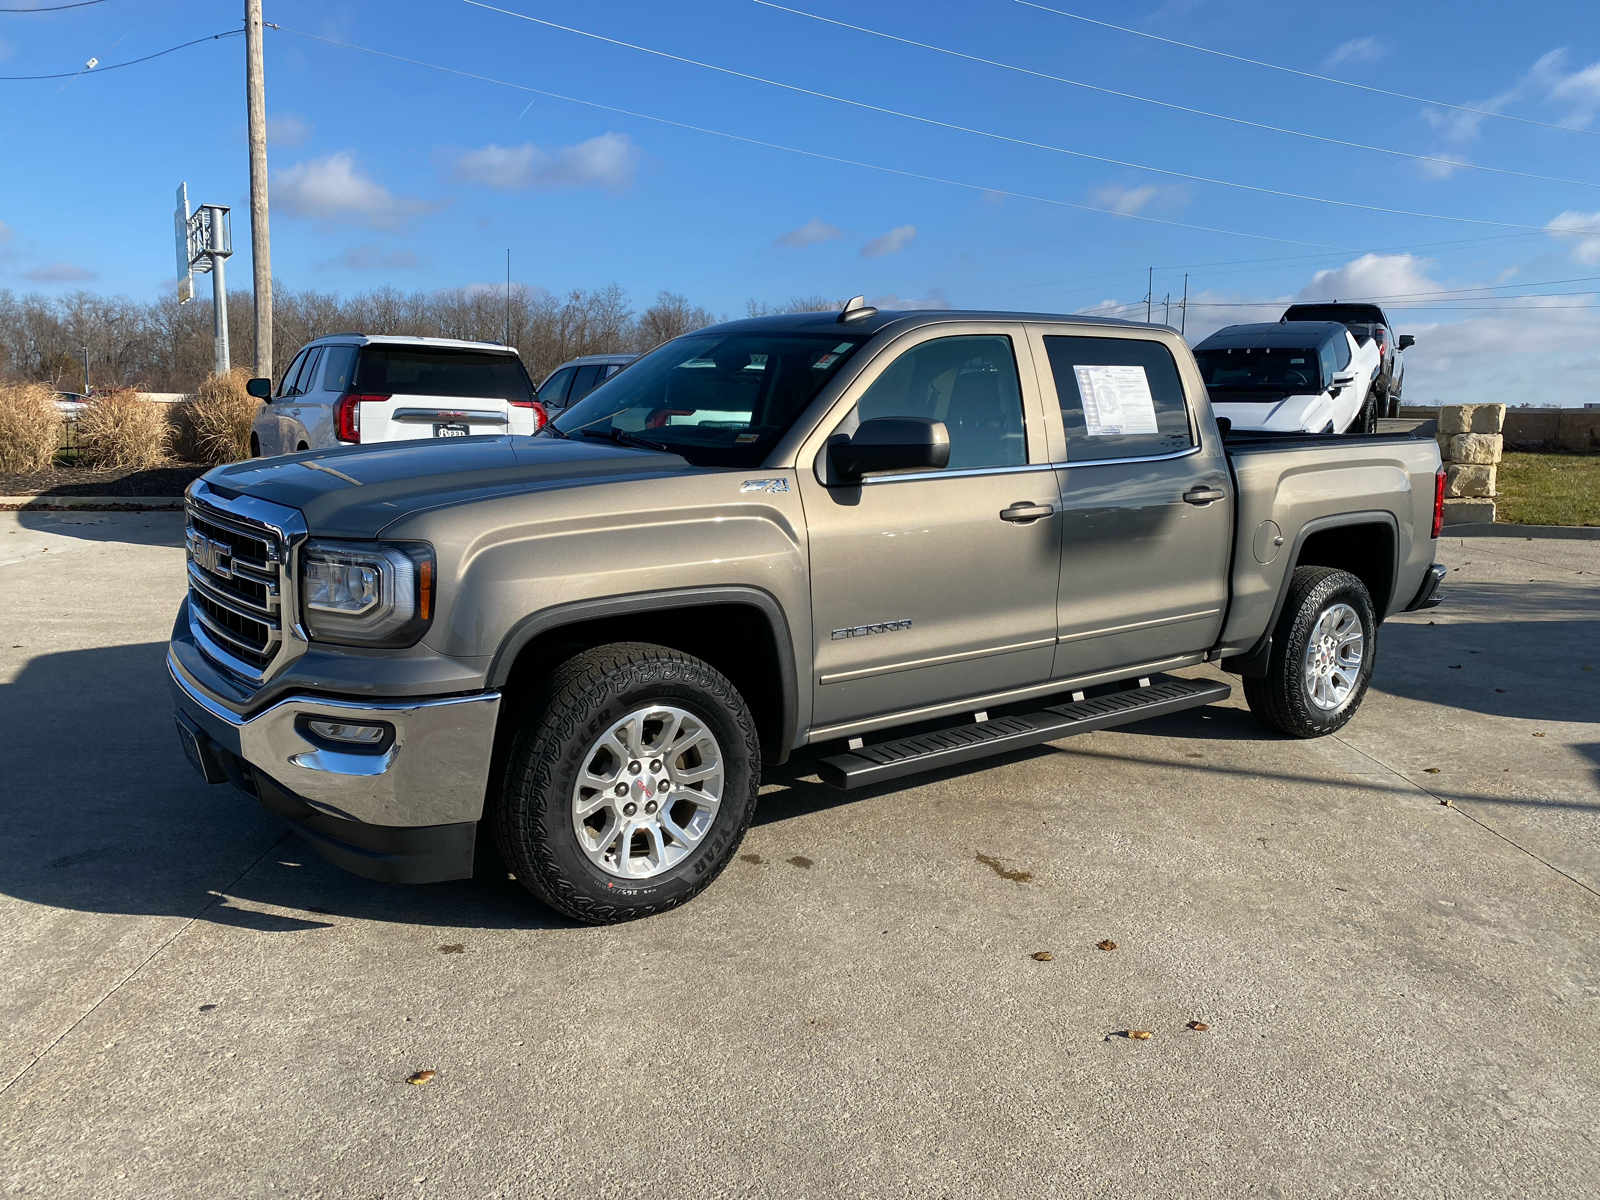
[385, 172]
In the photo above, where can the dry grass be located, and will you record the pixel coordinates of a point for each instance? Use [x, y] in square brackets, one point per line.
[118, 429]
[30, 427]
[221, 413]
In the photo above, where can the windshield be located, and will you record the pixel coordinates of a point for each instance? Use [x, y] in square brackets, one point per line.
[1265, 368]
[442, 371]
[716, 399]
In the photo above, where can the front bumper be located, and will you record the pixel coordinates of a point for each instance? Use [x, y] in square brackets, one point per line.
[406, 815]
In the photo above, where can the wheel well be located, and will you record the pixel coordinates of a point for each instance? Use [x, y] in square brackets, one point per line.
[736, 639]
[255, 446]
[1366, 551]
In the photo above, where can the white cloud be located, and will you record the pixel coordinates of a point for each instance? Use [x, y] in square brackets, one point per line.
[810, 234]
[609, 161]
[335, 189]
[59, 272]
[1358, 50]
[1376, 276]
[896, 240]
[372, 257]
[933, 299]
[1442, 166]
[1581, 91]
[1547, 81]
[1131, 201]
[288, 131]
[1585, 228]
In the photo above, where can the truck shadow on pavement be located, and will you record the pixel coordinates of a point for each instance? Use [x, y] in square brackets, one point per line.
[162, 527]
[101, 812]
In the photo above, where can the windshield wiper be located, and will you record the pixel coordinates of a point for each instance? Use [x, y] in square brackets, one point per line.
[623, 438]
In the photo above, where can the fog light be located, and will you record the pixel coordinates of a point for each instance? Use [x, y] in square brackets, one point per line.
[343, 731]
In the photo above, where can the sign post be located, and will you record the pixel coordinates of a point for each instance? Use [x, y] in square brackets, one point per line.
[205, 241]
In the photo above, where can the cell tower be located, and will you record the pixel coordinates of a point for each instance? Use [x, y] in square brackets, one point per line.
[204, 240]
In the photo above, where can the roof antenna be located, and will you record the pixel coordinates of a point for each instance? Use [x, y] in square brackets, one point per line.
[856, 309]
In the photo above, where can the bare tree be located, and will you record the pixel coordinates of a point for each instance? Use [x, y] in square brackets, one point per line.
[670, 316]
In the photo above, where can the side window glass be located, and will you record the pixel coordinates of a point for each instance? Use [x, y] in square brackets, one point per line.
[308, 373]
[969, 383]
[1120, 397]
[1329, 362]
[286, 384]
[1343, 345]
[555, 389]
[584, 382]
[339, 366]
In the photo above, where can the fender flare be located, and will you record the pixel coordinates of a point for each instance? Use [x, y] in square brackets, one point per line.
[578, 611]
[1253, 662]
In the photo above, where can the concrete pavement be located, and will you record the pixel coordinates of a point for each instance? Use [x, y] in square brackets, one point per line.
[1402, 995]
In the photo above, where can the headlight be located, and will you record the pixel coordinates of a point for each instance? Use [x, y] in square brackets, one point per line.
[366, 593]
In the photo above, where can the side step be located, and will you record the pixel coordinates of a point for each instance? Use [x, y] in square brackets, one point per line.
[890, 760]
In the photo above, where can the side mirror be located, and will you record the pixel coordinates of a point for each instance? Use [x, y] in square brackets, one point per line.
[893, 444]
[1406, 341]
[261, 389]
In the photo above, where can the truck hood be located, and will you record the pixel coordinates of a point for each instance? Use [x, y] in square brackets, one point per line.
[356, 491]
[1291, 414]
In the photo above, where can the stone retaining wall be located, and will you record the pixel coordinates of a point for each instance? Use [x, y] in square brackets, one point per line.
[1470, 444]
[1576, 430]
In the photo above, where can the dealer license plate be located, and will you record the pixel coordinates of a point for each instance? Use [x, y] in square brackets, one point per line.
[452, 429]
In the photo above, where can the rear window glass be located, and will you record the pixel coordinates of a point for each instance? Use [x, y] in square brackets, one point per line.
[426, 371]
[1120, 397]
[337, 366]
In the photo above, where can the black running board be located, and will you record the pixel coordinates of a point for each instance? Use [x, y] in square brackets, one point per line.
[925, 752]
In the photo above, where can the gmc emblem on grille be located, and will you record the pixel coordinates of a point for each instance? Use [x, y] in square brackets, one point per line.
[214, 557]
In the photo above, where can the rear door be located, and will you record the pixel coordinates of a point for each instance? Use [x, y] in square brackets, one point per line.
[410, 392]
[1146, 499]
[932, 586]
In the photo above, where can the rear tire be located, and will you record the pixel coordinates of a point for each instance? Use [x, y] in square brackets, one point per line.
[679, 742]
[1366, 421]
[1322, 654]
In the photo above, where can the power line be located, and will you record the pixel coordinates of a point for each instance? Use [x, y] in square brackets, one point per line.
[53, 8]
[834, 158]
[1399, 212]
[1481, 112]
[1184, 108]
[96, 70]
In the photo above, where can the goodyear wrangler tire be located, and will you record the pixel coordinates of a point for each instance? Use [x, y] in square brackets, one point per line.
[1322, 652]
[630, 785]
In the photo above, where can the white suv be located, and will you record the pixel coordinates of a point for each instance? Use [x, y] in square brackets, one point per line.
[348, 388]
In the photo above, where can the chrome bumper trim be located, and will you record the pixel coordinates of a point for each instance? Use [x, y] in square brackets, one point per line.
[435, 773]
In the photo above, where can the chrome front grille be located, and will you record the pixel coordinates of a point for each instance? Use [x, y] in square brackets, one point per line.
[239, 578]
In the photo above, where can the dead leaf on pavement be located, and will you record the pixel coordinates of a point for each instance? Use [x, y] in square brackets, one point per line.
[1538, 735]
[1139, 1035]
[421, 1077]
[1430, 770]
[1044, 956]
[1447, 802]
[1108, 944]
[1199, 1026]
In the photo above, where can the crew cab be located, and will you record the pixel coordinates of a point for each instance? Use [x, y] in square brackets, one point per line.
[1291, 377]
[348, 389]
[906, 539]
[1366, 322]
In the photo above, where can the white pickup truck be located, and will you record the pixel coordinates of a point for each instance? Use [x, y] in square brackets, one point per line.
[350, 388]
[1291, 377]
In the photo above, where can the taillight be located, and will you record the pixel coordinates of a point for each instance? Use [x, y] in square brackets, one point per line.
[347, 415]
[1438, 502]
[541, 418]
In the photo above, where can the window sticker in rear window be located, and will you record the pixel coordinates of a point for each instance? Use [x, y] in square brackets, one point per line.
[1116, 400]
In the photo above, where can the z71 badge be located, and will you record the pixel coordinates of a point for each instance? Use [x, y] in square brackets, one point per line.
[867, 630]
[764, 485]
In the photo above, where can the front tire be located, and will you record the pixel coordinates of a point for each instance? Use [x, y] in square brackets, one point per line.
[1366, 421]
[1322, 652]
[630, 785]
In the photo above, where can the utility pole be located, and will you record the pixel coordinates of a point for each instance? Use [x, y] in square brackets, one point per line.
[1149, 293]
[1166, 309]
[508, 295]
[260, 239]
[1183, 309]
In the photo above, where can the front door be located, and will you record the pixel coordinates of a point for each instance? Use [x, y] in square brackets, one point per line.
[933, 586]
[1147, 506]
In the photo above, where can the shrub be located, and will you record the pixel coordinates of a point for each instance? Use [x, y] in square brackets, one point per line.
[120, 429]
[220, 415]
[30, 427]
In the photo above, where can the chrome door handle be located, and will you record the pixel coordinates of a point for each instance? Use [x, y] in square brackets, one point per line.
[1204, 495]
[1022, 512]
